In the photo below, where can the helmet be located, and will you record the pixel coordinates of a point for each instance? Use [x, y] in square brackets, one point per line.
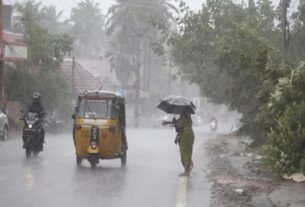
[36, 96]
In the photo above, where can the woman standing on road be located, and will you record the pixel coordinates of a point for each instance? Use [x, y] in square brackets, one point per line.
[185, 139]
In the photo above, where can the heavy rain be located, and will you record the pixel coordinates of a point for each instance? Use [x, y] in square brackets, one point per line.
[158, 103]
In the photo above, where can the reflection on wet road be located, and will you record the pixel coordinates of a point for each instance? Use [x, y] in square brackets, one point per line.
[149, 179]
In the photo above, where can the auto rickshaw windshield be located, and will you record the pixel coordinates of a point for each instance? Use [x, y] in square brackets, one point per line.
[96, 109]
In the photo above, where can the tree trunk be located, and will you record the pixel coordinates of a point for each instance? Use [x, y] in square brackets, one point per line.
[149, 56]
[145, 65]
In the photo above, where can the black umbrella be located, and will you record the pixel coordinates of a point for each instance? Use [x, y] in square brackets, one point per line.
[176, 105]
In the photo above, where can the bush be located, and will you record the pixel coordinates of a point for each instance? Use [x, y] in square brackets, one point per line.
[285, 149]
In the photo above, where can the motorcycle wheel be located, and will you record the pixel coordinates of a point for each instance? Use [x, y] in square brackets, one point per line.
[28, 152]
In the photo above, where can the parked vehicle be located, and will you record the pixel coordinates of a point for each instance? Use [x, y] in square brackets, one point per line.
[32, 133]
[99, 127]
[4, 126]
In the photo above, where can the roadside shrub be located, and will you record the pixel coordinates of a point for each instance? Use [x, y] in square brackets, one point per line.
[285, 148]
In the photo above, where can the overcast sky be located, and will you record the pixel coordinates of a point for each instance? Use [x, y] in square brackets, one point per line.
[66, 5]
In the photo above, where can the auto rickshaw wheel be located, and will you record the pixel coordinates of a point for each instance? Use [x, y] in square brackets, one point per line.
[124, 158]
[93, 161]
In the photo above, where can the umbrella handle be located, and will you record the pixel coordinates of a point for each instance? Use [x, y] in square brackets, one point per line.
[167, 122]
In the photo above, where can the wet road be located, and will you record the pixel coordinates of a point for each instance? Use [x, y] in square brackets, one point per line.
[149, 179]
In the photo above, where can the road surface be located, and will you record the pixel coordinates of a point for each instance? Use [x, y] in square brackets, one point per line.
[149, 179]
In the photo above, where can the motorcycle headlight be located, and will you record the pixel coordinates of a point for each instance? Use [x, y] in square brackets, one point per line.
[93, 144]
[30, 126]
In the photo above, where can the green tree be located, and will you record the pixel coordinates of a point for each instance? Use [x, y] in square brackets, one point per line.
[87, 27]
[45, 49]
[137, 29]
[55, 90]
[225, 49]
[296, 48]
[51, 20]
[285, 123]
[234, 54]
[40, 72]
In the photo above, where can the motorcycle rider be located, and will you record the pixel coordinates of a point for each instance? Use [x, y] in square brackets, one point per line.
[36, 107]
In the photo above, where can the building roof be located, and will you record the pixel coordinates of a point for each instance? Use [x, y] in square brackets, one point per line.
[83, 79]
[101, 69]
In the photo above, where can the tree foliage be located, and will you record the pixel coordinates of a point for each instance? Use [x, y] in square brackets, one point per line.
[40, 72]
[233, 53]
[45, 48]
[285, 123]
[224, 49]
[87, 27]
[138, 30]
[55, 90]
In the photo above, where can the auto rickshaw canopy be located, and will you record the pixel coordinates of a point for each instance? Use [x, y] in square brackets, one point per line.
[102, 95]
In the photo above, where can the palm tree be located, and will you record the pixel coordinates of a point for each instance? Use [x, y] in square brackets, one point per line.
[135, 25]
[50, 19]
[88, 23]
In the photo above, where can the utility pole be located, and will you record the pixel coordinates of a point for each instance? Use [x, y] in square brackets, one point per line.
[285, 30]
[168, 65]
[1, 58]
[251, 4]
[73, 75]
[137, 93]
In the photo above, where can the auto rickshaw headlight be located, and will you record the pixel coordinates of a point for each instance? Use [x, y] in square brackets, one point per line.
[93, 144]
[30, 126]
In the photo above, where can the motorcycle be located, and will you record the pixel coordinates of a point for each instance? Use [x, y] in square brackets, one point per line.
[213, 126]
[32, 133]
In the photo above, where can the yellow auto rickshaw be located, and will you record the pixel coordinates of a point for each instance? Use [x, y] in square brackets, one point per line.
[99, 127]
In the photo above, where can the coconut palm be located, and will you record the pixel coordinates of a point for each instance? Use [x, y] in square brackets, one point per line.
[88, 23]
[50, 19]
[134, 26]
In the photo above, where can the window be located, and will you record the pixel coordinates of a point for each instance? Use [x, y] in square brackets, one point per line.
[96, 109]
